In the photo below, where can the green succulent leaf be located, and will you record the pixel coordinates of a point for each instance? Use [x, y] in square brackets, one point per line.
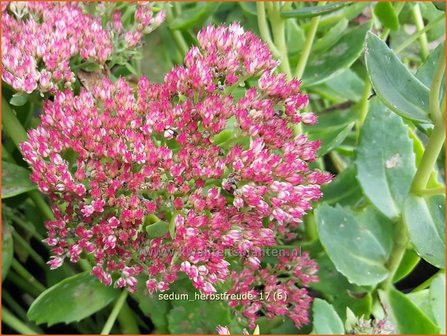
[322, 67]
[358, 243]
[425, 219]
[396, 86]
[71, 300]
[330, 37]
[15, 180]
[157, 230]
[194, 16]
[326, 319]
[385, 160]
[405, 315]
[19, 99]
[385, 12]
[408, 263]
[437, 300]
[311, 11]
[344, 189]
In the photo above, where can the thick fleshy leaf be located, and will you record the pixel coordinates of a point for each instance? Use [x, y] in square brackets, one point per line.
[294, 37]
[407, 264]
[322, 67]
[344, 189]
[396, 86]
[197, 316]
[7, 249]
[439, 5]
[421, 299]
[425, 219]
[405, 315]
[426, 71]
[248, 7]
[387, 15]
[156, 310]
[331, 130]
[311, 11]
[385, 160]
[330, 37]
[325, 319]
[437, 300]
[338, 291]
[358, 243]
[19, 99]
[72, 299]
[157, 230]
[345, 86]
[194, 16]
[15, 180]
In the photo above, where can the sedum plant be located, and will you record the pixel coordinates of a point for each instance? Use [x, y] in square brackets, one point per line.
[269, 167]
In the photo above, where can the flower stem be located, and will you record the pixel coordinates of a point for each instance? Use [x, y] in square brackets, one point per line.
[416, 35]
[435, 111]
[178, 37]
[397, 253]
[13, 128]
[308, 44]
[264, 29]
[429, 158]
[41, 204]
[279, 38]
[127, 321]
[9, 319]
[11, 125]
[419, 22]
[23, 272]
[437, 138]
[27, 247]
[114, 314]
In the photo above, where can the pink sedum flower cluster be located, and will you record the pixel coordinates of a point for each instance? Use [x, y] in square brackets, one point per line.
[279, 290]
[216, 166]
[40, 40]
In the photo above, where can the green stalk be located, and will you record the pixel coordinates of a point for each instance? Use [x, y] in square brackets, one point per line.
[437, 138]
[419, 22]
[27, 247]
[17, 308]
[364, 103]
[127, 321]
[264, 29]
[11, 125]
[416, 35]
[23, 272]
[178, 37]
[13, 128]
[22, 284]
[278, 28]
[41, 204]
[308, 44]
[397, 253]
[435, 90]
[114, 314]
[9, 319]
[28, 228]
[429, 158]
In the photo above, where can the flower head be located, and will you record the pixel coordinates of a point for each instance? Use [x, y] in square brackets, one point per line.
[166, 179]
[41, 41]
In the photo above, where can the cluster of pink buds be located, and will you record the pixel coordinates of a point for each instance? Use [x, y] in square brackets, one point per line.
[40, 38]
[170, 178]
[144, 23]
[276, 290]
[43, 41]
